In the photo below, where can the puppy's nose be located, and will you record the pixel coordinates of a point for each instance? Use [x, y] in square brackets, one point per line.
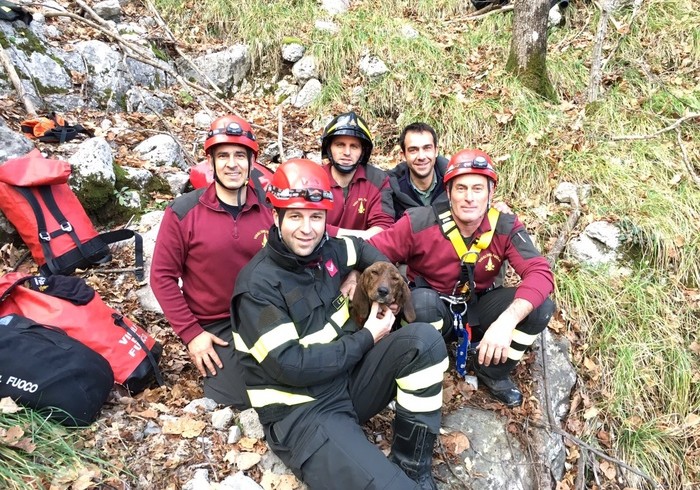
[382, 291]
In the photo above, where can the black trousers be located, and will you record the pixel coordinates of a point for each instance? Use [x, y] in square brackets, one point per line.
[322, 442]
[430, 309]
[226, 386]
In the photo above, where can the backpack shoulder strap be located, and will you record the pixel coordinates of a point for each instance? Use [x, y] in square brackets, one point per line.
[114, 236]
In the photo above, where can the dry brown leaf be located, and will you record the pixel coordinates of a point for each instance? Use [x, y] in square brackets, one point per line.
[590, 413]
[691, 420]
[184, 426]
[455, 442]
[149, 413]
[247, 443]
[604, 438]
[8, 405]
[271, 481]
[608, 470]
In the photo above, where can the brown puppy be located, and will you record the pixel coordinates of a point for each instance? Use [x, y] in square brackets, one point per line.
[381, 282]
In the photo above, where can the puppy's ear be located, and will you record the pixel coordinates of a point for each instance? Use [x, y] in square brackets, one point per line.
[409, 312]
[360, 302]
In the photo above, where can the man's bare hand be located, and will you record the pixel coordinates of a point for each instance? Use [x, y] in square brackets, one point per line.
[502, 207]
[380, 321]
[494, 346]
[202, 353]
[347, 289]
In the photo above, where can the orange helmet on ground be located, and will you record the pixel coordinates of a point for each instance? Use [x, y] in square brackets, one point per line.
[233, 130]
[300, 184]
[470, 161]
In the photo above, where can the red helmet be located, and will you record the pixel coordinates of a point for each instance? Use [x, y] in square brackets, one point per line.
[300, 184]
[470, 162]
[233, 130]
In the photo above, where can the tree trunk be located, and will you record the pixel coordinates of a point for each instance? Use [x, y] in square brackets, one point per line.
[528, 50]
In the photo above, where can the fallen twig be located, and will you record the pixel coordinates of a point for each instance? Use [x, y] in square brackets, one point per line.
[686, 160]
[280, 133]
[443, 453]
[480, 14]
[580, 483]
[558, 246]
[596, 62]
[17, 83]
[170, 34]
[595, 451]
[673, 126]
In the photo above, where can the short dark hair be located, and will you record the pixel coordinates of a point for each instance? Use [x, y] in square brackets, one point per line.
[417, 127]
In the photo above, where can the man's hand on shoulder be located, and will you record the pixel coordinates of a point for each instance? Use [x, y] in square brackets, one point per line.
[203, 355]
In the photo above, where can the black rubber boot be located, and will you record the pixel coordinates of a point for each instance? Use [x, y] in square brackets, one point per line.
[496, 378]
[412, 451]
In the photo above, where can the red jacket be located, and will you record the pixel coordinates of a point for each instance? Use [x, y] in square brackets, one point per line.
[369, 202]
[417, 240]
[206, 247]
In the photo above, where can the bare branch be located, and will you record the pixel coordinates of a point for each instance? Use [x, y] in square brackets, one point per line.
[693, 115]
[563, 237]
[596, 61]
[595, 451]
[686, 160]
[280, 132]
[167, 30]
[14, 78]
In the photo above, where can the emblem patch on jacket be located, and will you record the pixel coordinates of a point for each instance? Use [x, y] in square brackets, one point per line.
[360, 204]
[331, 268]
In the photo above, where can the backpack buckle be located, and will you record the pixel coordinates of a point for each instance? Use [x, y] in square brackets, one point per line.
[66, 227]
[44, 236]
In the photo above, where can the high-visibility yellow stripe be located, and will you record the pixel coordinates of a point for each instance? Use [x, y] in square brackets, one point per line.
[522, 338]
[269, 396]
[516, 355]
[416, 404]
[342, 315]
[450, 229]
[324, 336]
[423, 378]
[352, 253]
[273, 339]
[239, 344]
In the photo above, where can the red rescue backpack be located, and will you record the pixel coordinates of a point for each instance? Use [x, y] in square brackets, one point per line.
[69, 303]
[36, 198]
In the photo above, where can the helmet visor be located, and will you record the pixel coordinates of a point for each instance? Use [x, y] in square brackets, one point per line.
[479, 163]
[310, 195]
[231, 129]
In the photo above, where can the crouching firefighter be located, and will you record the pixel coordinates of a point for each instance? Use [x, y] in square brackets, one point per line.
[454, 252]
[311, 373]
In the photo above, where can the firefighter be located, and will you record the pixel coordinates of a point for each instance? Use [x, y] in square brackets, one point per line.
[454, 251]
[311, 373]
[361, 191]
[205, 238]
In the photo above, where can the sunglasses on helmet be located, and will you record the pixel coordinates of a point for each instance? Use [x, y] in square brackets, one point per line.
[311, 195]
[232, 129]
[479, 163]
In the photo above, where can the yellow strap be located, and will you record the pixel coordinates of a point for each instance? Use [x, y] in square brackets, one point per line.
[450, 229]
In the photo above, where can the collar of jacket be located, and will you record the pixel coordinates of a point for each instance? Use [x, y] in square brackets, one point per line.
[287, 259]
[209, 199]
